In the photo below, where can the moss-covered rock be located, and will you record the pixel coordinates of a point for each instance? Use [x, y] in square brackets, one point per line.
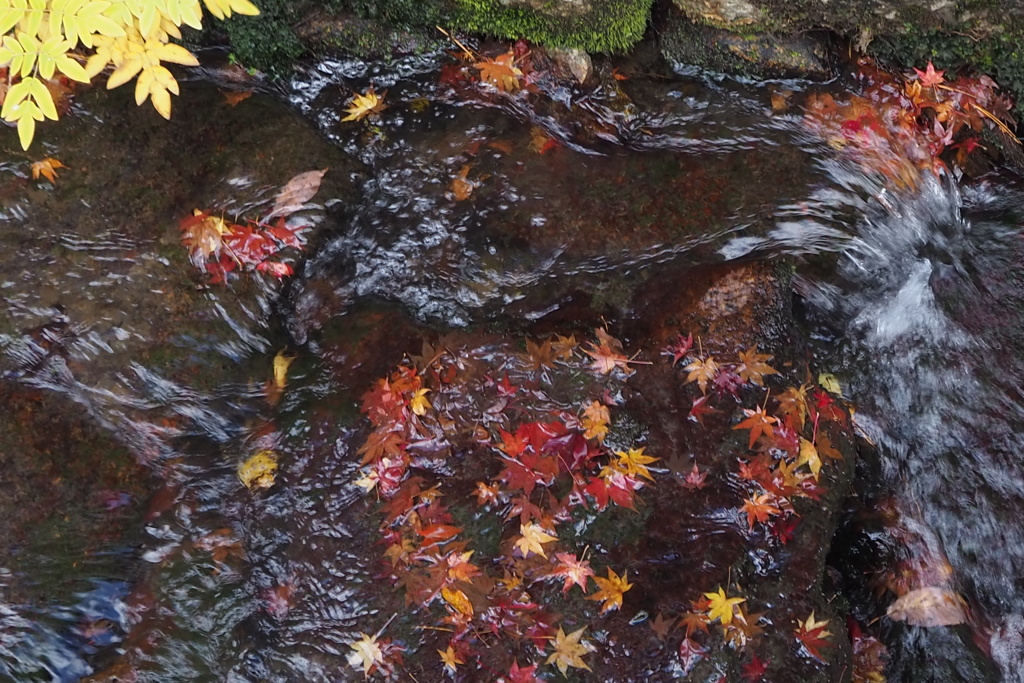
[593, 25]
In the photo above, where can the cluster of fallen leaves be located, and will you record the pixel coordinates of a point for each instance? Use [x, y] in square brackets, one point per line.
[459, 423]
[900, 125]
[220, 247]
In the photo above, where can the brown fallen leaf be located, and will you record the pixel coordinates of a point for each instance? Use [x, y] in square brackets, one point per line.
[46, 168]
[233, 97]
[930, 606]
[462, 187]
[296, 192]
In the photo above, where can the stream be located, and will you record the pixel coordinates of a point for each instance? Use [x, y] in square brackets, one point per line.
[132, 389]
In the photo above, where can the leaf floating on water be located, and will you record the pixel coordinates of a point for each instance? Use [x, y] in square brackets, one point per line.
[46, 168]
[233, 97]
[366, 654]
[296, 192]
[281, 365]
[366, 104]
[829, 383]
[931, 606]
[501, 72]
[462, 187]
[259, 470]
[568, 650]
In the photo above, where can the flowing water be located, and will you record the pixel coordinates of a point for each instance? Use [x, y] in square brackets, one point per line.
[163, 568]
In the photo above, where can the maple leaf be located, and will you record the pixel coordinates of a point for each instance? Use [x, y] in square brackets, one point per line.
[695, 478]
[689, 654]
[929, 607]
[568, 650]
[532, 539]
[574, 571]
[702, 372]
[595, 421]
[700, 408]
[457, 600]
[930, 77]
[754, 669]
[760, 508]
[757, 422]
[419, 402]
[203, 235]
[728, 382]
[451, 659]
[366, 654]
[46, 168]
[607, 354]
[678, 348]
[633, 463]
[721, 606]
[540, 355]
[695, 620]
[610, 590]
[812, 634]
[564, 346]
[785, 529]
[501, 72]
[662, 625]
[753, 368]
[486, 494]
[793, 403]
[517, 674]
[361, 106]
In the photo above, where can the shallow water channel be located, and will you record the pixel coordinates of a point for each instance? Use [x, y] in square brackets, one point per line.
[131, 389]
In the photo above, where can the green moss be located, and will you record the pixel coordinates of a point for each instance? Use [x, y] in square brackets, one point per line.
[267, 42]
[609, 26]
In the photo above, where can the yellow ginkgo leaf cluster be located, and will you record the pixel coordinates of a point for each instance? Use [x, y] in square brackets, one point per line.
[44, 39]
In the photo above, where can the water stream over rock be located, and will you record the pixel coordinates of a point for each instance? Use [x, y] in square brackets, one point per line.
[132, 389]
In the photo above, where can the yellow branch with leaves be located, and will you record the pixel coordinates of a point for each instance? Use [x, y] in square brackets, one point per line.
[46, 39]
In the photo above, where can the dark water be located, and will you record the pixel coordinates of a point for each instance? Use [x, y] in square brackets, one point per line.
[916, 296]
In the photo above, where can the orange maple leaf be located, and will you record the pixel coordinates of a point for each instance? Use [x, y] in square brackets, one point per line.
[759, 509]
[501, 72]
[595, 421]
[46, 168]
[607, 354]
[611, 590]
[233, 97]
[757, 422]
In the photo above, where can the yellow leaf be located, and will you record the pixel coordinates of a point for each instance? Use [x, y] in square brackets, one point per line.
[224, 8]
[568, 650]
[809, 457]
[281, 364]
[595, 421]
[458, 600]
[366, 653]
[419, 402]
[259, 470]
[634, 463]
[722, 606]
[533, 539]
[451, 659]
[830, 384]
[610, 590]
[363, 105]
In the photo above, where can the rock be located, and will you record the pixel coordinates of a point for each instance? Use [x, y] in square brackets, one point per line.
[573, 61]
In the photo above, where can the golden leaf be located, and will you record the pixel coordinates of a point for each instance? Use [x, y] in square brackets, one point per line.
[568, 650]
[46, 168]
[363, 105]
[259, 470]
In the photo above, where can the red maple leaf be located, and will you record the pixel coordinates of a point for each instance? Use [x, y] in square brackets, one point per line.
[525, 674]
[701, 408]
[679, 348]
[695, 479]
[812, 634]
[754, 669]
[930, 77]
